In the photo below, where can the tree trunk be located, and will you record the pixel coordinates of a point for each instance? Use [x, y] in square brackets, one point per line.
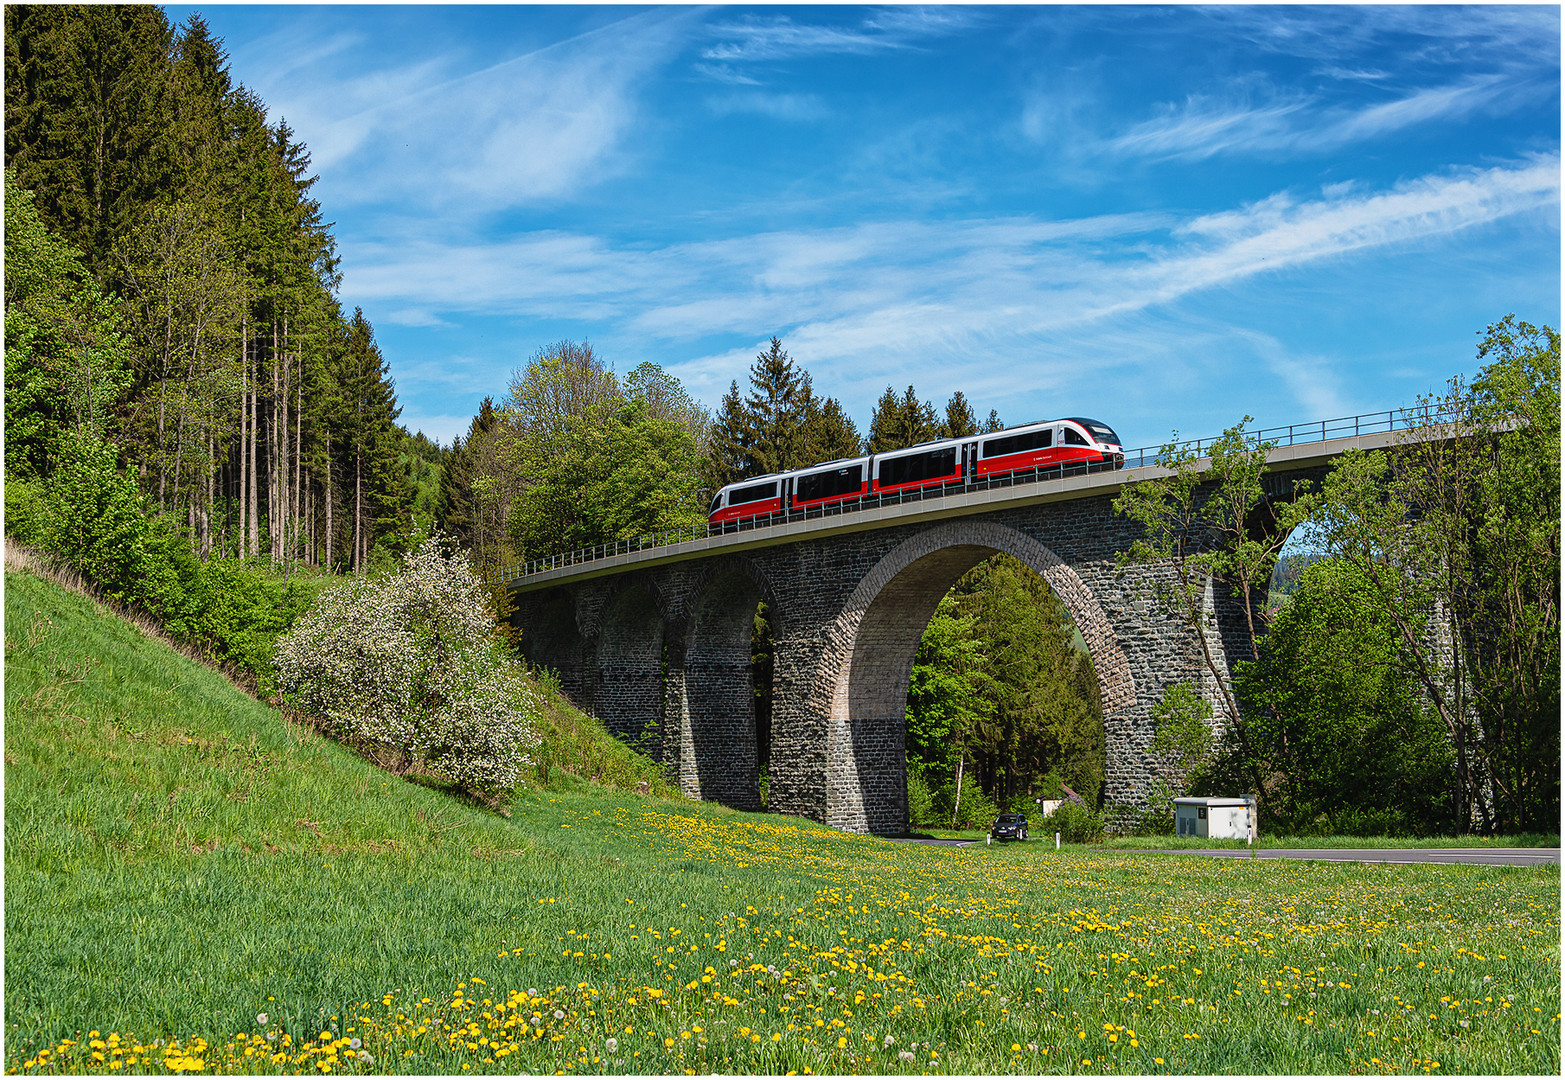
[956, 805]
[327, 489]
[252, 492]
[358, 505]
[298, 454]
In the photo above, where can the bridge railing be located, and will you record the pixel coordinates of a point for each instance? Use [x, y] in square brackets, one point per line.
[1292, 435]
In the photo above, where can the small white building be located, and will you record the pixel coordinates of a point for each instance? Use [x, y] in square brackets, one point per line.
[1216, 818]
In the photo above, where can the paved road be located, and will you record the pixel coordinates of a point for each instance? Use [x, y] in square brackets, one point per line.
[1487, 856]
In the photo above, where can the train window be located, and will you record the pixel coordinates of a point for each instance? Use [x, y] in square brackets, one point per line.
[1016, 444]
[717, 501]
[823, 485]
[1074, 437]
[911, 468]
[1103, 434]
[753, 493]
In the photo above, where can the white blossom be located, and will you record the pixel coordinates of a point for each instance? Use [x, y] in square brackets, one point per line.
[410, 660]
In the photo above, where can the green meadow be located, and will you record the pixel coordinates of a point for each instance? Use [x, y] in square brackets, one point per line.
[194, 884]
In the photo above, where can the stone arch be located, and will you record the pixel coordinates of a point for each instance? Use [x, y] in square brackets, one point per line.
[717, 747]
[552, 638]
[879, 629]
[630, 666]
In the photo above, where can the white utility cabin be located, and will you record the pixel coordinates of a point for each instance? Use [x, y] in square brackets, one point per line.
[1215, 818]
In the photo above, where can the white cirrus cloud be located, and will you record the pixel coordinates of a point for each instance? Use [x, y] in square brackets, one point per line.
[1201, 128]
[872, 300]
[543, 125]
[753, 38]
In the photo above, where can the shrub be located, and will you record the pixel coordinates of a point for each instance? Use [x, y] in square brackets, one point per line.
[920, 800]
[94, 516]
[26, 516]
[1075, 824]
[408, 661]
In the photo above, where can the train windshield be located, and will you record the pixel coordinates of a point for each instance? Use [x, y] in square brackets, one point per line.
[1100, 431]
[717, 501]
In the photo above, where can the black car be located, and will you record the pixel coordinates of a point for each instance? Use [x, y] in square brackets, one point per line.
[1009, 827]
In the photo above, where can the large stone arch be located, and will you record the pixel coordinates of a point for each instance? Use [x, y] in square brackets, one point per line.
[629, 698]
[716, 752]
[878, 631]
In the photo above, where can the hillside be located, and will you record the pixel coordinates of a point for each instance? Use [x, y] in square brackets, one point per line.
[195, 885]
[165, 831]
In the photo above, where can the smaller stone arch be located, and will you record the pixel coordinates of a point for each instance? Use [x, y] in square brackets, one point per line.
[630, 666]
[878, 631]
[717, 751]
[551, 638]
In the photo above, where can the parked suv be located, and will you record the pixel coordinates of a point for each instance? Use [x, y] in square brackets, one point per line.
[1009, 827]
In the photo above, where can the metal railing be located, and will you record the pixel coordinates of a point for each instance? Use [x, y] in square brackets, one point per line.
[1291, 435]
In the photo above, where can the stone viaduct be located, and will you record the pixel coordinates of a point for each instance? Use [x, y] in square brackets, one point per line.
[657, 642]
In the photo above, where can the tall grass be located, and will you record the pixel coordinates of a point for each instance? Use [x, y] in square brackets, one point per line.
[181, 861]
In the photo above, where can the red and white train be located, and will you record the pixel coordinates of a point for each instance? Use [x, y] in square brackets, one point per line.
[1074, 440]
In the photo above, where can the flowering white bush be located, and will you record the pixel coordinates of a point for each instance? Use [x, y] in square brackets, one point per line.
[410, 661]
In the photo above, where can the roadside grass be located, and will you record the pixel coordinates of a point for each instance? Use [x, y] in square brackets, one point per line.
[1176, 843]
[194, 885]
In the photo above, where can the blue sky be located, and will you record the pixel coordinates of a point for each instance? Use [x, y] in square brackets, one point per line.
[1162, 217]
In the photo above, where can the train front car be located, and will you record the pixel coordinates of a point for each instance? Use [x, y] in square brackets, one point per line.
[1073, 441]
[1103, 444]
[746, 499]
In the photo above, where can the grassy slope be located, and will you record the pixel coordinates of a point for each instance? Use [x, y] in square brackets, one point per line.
[179, 859]
[176, 852]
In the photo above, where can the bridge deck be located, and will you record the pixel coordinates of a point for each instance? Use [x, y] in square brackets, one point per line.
[929, 508]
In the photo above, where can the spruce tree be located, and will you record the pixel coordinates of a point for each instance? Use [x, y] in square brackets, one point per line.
[778, 406]
[901, 422]
[959, 420]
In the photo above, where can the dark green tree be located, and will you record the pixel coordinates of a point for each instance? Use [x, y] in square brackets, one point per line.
[959, 419]
[901, 422]
[88, 117]
[830, 433]
[778, 409]
[1354, 744]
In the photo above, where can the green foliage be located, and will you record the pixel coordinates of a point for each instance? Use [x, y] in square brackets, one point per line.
[237, 613]
[959, 419]
[588, 465]
[95, 518]
[1183, 720]
[899, 422]
[997, 684]
[1456, 542]
[409, 662]
[781, 424]
[951, 689]
[1343, 720]
[26, 512]
[1075, 824]
[66, 360]
[1213, 527]
[921, 801]
[975, 809]
[610, 473]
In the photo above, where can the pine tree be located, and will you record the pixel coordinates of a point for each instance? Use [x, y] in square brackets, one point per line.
[88, 118]
[830, 433]
[901, 422]
[778, 407]
[729, 441]
[959, 420]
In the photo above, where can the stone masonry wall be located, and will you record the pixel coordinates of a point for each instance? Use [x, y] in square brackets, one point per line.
[847, 613]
